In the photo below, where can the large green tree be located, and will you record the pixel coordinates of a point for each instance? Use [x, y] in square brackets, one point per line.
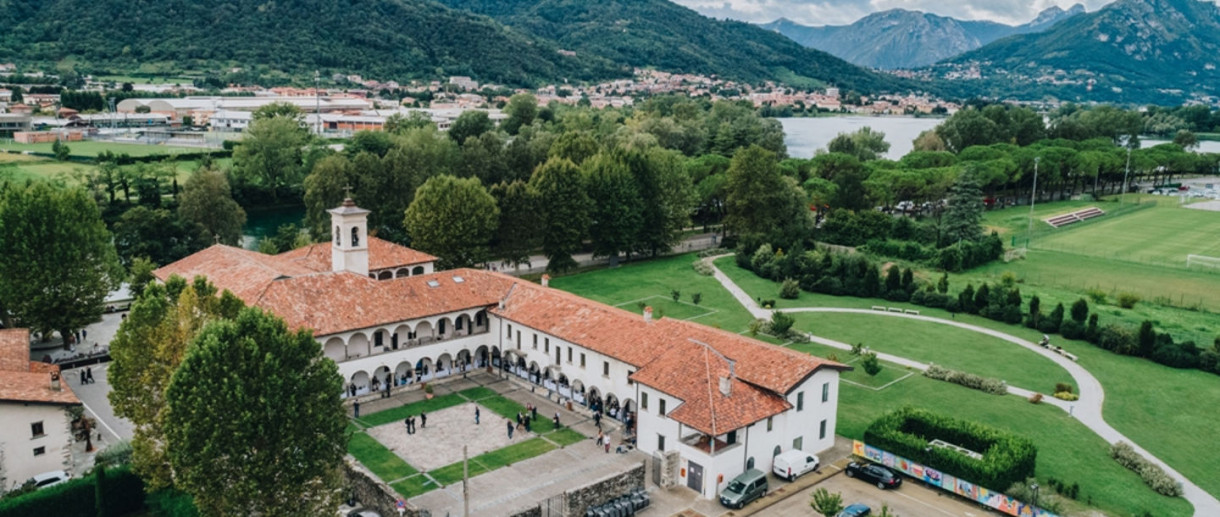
[454, 219]
[617, 210]
[865, 144]
[145, 352]
[271, 156]
[763, 205]
[58, 262]
[255, 425]
[521, 109]
[158, 235]
[668, 195]
[470, 123]
[207, 201]
[565, 211]
[520, 229]
[963, 218]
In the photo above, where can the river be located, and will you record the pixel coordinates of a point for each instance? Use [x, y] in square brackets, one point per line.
[264, 222]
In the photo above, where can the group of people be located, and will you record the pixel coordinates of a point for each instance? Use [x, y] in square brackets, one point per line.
[86, 375]
[410, 422]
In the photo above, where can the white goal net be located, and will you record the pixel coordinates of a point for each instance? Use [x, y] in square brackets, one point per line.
[1202, 261]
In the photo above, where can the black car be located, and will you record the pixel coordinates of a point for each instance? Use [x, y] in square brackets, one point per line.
[883, 477]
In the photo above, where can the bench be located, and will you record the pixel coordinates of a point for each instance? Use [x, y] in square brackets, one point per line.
[911, 311]
[879, 308]
[896, 309]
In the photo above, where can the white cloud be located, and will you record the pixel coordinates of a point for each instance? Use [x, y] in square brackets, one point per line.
[842, 12]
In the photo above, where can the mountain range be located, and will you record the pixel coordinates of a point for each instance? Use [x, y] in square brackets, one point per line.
[1129, 51]
[515, 42]
[900, 38]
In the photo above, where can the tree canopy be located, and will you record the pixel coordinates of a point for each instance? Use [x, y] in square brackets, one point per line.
[453, 219]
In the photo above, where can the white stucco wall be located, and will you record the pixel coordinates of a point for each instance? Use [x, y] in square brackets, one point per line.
[18, 442]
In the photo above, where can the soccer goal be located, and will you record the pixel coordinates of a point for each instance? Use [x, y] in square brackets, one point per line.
[1202, 261]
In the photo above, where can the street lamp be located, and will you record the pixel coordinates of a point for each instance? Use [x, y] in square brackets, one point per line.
[1033, 197]
[1034, 487]
[1122, 198]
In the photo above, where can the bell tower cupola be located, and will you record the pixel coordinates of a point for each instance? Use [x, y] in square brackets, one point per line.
[349, 250]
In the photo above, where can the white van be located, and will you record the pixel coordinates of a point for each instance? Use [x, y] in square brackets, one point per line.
[793, 464]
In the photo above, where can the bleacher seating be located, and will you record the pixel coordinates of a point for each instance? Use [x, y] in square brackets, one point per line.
[1074, 217]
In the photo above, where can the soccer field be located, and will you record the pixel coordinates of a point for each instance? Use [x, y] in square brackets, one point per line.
[91, 148]
[1161, 236]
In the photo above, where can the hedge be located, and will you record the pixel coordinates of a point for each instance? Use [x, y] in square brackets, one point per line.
[1153, 475]
[906, 432]
[967, 379]
[76, 498]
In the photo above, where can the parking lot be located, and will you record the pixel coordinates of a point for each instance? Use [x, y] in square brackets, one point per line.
[911, 500]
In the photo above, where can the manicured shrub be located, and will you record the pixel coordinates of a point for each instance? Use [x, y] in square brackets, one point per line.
[1036, 398]
[1153, 475]
[790, 289]
[1007, 458]
[1128, 300]
[702, 267]
[77, 498]
[870, 364]
[1080, 311]
[695, 298]
[1097, 295]
[1066, 395]
[781, 323]
[969, 380]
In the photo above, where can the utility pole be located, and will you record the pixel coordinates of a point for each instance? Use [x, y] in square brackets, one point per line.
[1033, 197]
[317, 102]
[465, 479]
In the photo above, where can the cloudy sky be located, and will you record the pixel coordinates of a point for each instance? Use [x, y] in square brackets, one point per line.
[842, 12]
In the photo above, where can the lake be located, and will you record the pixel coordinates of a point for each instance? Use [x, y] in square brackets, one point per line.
[805, 135]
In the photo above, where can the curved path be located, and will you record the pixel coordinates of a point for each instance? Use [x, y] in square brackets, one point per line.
[1088, 409]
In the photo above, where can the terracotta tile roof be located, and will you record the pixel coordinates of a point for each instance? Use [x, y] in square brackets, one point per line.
[22, 380]
[246, 273]
[382, 255]
[336, 302]
[692, 373]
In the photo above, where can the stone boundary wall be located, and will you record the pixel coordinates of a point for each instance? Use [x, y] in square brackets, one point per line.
[374, 494]
[603, 490]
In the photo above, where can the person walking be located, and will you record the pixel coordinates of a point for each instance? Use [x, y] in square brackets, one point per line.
[407, 422]
[410, 425]
[356, 409]
[509, 423]
[527, 425]
[519, 420]
[423, 419]
[89, 373]
[556, 420]
[597, 420]
[534, 412]
[476, 415]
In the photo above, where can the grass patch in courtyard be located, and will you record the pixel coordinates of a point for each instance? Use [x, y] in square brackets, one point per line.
[639, 280]
[415, 485]
[948, 346]
[477, 393]
[566, 436]
[399, 413]
[509, 409]
[493, 460]
[377, 458]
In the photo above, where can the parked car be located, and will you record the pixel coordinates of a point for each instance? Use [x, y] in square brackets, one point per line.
[52, 478]
[871, 472]
[750, 485]
[855, 510]
[793, 464]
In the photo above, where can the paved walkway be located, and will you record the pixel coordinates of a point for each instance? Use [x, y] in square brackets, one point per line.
[538, 263]
[1088, 409]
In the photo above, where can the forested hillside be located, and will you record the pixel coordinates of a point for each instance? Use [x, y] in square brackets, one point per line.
[664, 35]
[386, 39]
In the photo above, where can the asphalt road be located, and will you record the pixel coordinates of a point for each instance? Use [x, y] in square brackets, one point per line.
[911, 500]
[93, 396]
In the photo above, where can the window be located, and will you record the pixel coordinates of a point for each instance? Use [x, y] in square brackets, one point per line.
[39, 451]
[440, 327]
[377, 339]
[731, 438]
[535, 341]
[661, 407]
[546, 346]
[800, 401]
[518, 340]
[569, 355]
[629, 381]
[582, 359]
[798, 442]
[606, 368]
[660, 442]
[478, 318]
[510, 331]
[822, 431]
[643, 400]
[770, 421]
[826, 392]
[36, 429]
[458, 324]
[338, 237]
[557, 355]
[355, 236]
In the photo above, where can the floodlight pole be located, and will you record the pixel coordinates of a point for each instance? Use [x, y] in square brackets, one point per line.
[1033, 197]
[1035, 489]
[1122, 198]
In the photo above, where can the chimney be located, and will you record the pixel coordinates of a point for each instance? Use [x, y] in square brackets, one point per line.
[55, 380]
[546, 280]
[726, 386]
[648, 314]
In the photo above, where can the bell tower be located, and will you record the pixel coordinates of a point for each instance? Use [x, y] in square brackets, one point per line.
[349, 250]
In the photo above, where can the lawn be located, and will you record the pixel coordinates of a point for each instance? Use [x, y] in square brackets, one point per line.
[566, 436]
[665, 306]
[509, 409]
[477, 393]
[69, 172]
[377, 458]
[889, 375]
[1156, 406]
[948, 346]
[493, 460]
[424, 406]
[413, 486]
[90, 149]
[658, 278]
